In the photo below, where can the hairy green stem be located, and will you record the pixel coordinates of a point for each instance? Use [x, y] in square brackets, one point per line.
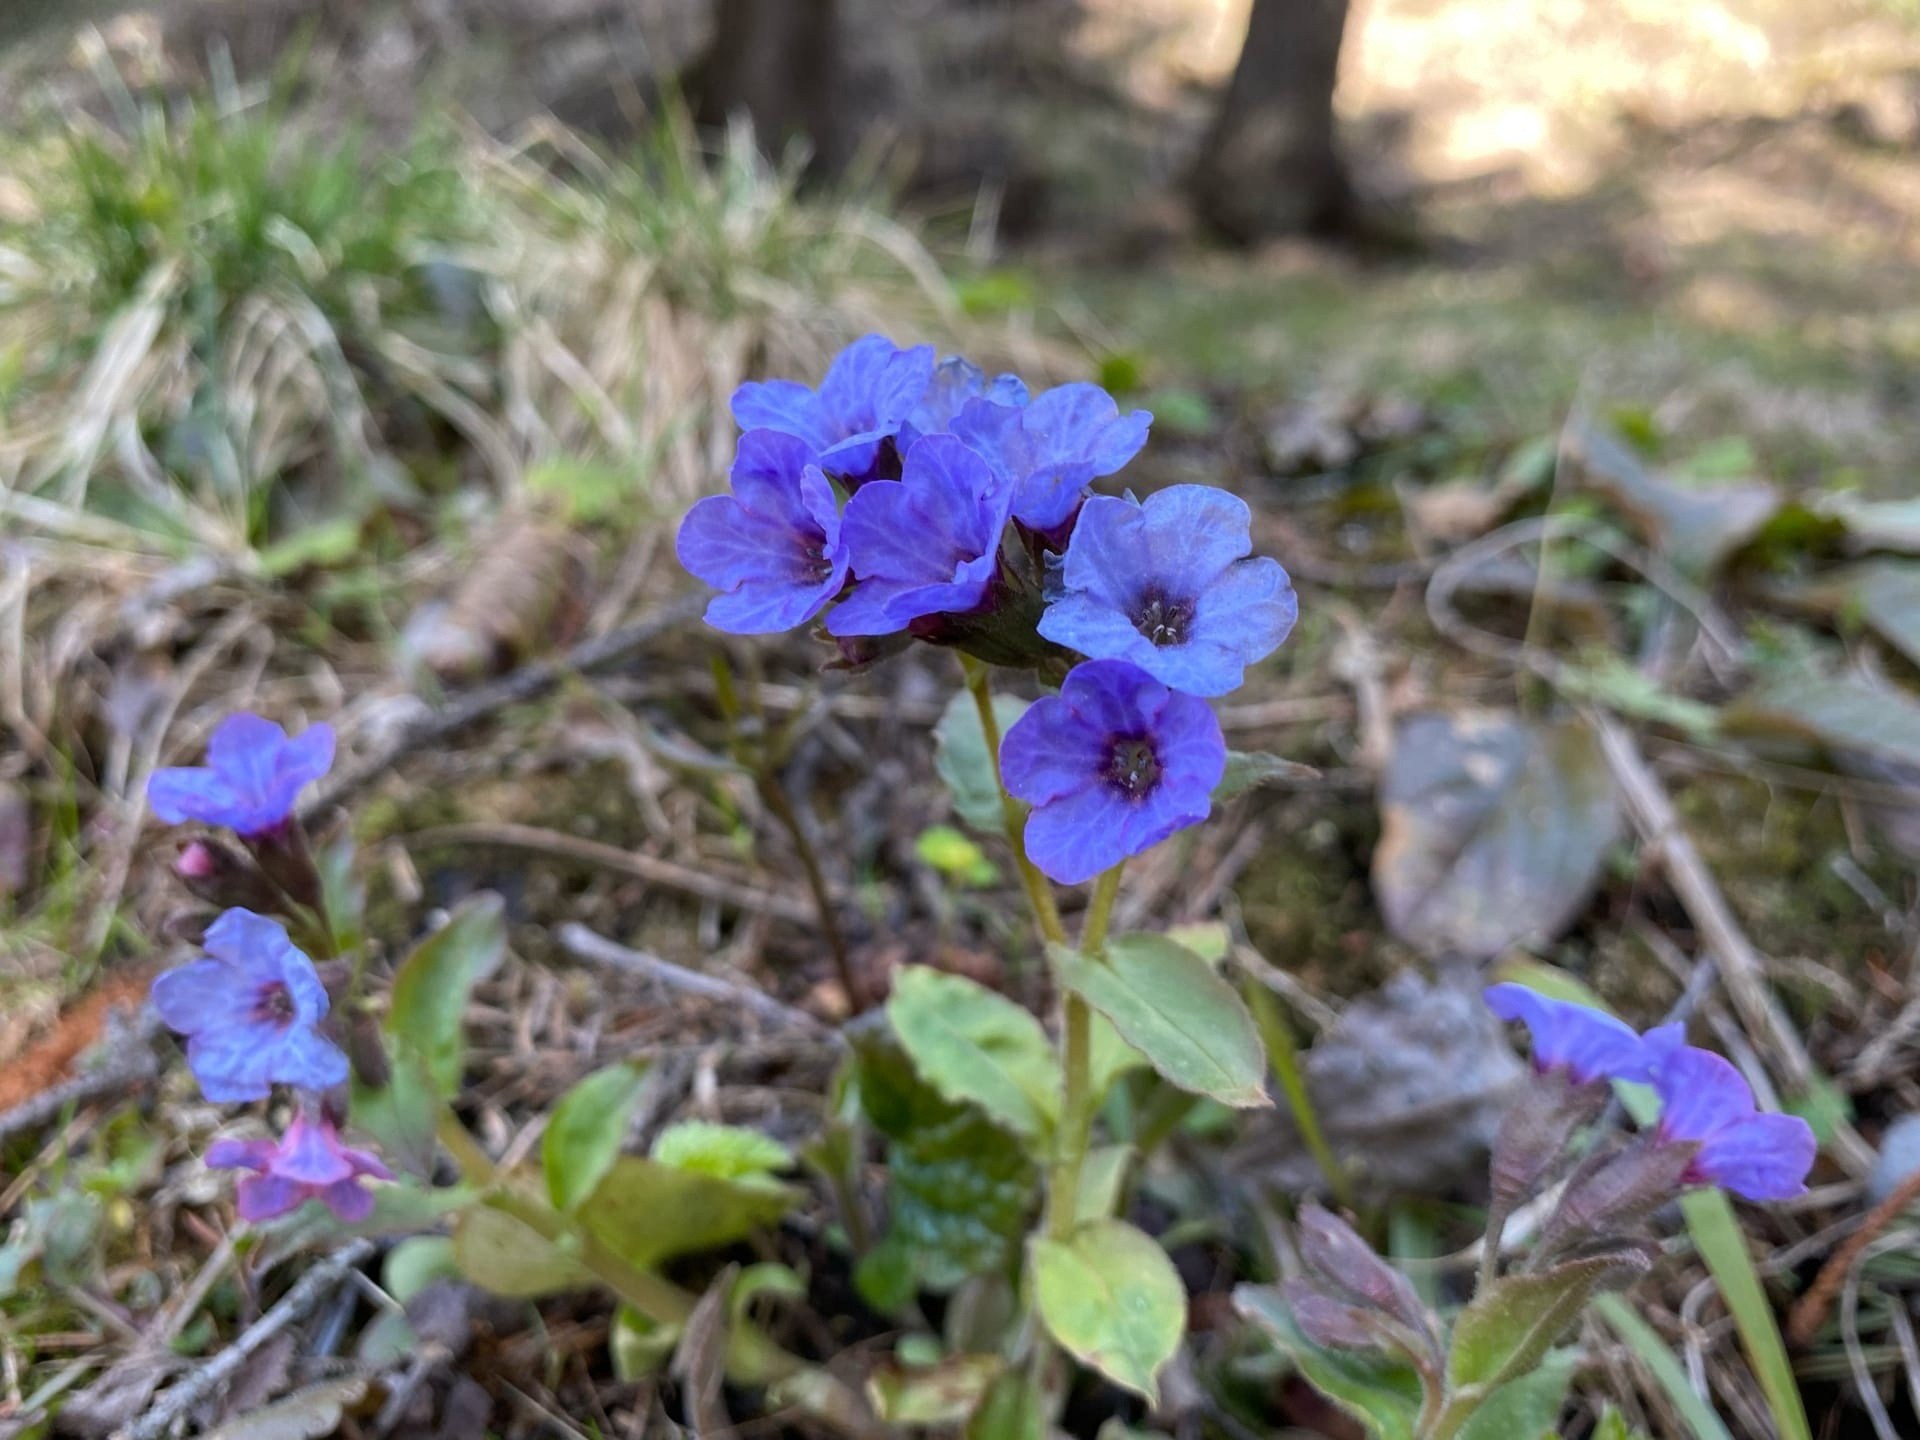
[1040, 899]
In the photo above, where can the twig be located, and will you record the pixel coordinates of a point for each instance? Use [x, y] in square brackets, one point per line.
[306, 1296]
[1810, 1311]
[655, 871]
[1741, 967]
[577, 940]
[521, 685]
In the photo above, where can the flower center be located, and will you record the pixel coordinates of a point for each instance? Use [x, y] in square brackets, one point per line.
[1132, 767]
[274, 1005]
[1163, 619]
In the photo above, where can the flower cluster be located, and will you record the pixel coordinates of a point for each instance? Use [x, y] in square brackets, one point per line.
[907, 499]
[253, 1007]
[1709, 1131]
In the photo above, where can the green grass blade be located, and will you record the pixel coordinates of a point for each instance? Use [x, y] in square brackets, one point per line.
[1646, 1343]
[1716, 1234]
[1284, 1056]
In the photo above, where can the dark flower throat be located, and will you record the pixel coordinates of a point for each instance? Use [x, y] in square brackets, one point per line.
[1163, 619]
[1133, 768]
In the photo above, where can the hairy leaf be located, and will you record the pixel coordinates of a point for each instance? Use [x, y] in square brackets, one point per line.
[431, 990]
[504, 1255]
[1111, 1297]
[586, 1130]
[1172, 1007]
[960, 755]
[1383, 1394]
[648, 1212]
[973, 1045]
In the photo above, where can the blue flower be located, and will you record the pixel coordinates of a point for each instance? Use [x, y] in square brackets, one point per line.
[956, 381]
[1053, 447]
[1113, 764]
[1706, 1102]
[773, 547]
[1582, 1043]
[1168, 585]
[250, 1012]
[871, 387]
[252, 776]
[925, 544]
[309, 1162]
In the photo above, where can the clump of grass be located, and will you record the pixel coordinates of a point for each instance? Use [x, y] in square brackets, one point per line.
[212, 299]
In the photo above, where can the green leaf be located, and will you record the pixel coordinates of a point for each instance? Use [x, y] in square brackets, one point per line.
[1527, 1407]
[1612, 1425]
[508, 1257]
[1169, 1005]
[727, 1152]
[640, 1346]
[585, 1132]
[1103, 1174]
[1718, 1238]
[960, 1188]
[1249, 770]
[588, 490]
[1010, 1410]
[321, 543]
[1516, 1320]
[973, 1045]
[955, 855]
[1886, 595]
[1840, 712]
[415, 1263]
[1665, 1366]
[648, 1212]
[401, 1114]
[1111, 1297]
[945, 1393]
[960, 755]
[431, 990]
[1382, 1394]
[1717, 1235]
[1111, 1058]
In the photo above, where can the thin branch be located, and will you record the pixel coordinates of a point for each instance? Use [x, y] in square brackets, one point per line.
[477, 704]
[308, 1293]
[577, 940]
[1740, 966]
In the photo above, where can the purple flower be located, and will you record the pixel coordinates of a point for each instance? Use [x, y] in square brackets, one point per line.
[773, 547]
[925, 544]
[249, 1011]
[1113, 764]
[1168, 585]
[956, 381]
[1053, 447]
[252, 776]
[1582, 1043]
[871, 387]
[307, 1163]
[1704, 1101]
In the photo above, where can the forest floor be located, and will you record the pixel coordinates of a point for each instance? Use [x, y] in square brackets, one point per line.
[1659, 311]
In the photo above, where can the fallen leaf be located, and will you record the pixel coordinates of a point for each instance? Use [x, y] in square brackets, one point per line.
[1494, 830]
[1693, 527]
[1409, 1086]
[306, 1414]
[1843, 713]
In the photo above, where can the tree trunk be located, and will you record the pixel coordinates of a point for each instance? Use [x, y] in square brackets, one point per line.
[778, 63]
[1271, 163]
